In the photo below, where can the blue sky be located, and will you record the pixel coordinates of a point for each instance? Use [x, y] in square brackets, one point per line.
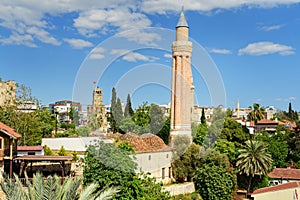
[246, 50]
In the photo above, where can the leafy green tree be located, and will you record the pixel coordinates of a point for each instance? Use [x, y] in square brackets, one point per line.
[229, 112]
[186, 158]
[164, 132]
[256, 114]
[214, 183]
[62, 151]
[228, 148]
[214, 179]
[125, 146]
[48, 151]
[75, 156]
[74, 115]
[157, 118]
[94, 122]
[51, 189]
[214, 130]
[109, 166]
[32, 126]
[141, 118]
[128, 108]
[277, 147]
[254, 159]
[200, 134]
[234, 132]
[128, 125]
[83, 131]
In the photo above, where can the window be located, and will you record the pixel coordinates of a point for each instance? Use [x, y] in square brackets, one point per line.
[170, 172]
[0, 143]
[149, 158]
[31, 153]
[167, 155]
[163, 173]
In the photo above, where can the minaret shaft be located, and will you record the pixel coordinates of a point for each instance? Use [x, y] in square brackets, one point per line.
[182, 82]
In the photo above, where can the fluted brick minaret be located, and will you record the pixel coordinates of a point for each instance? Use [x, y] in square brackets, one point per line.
[182, 96]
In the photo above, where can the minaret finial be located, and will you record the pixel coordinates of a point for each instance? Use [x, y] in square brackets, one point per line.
[182, 21]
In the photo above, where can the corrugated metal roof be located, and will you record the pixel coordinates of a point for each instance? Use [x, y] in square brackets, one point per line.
[72, 144]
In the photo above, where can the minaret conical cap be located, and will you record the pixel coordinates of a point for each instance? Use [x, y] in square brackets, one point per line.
[182, 21]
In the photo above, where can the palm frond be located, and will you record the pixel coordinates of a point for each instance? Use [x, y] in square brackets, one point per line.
[51, 188]
[38, 186]
[108, 194]
[88, 192]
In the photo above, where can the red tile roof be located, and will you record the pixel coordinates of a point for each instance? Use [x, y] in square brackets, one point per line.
[142, 143]
[9, 131]
[284, 186]
[29, 148]
[267, 121]
[288, 124]
[285, 173]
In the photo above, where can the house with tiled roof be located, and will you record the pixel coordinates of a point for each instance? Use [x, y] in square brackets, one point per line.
[286, 191]
[8, 148]
[284, 175]
[288, 124]
[266, 125]
[30, 150]
[152, 155]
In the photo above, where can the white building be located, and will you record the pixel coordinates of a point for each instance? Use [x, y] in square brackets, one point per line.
[28, 106]
[30, 150]
[270, 112]
[78, 144]
[152, 155]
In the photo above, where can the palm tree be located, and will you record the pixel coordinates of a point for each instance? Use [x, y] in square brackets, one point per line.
[253, 160]
[256, 114]
[51, 189]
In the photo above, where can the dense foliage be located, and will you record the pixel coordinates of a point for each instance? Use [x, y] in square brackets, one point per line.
[110, 166]
[215, 179]
[51, 189]
[32, 126]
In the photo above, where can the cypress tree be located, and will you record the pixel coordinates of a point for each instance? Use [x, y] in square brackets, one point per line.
[203, 119]
[128, 108]
[118, 115]
[112, 110]
[290, 112]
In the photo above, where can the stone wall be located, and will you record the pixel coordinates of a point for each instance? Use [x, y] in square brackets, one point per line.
[184, 188]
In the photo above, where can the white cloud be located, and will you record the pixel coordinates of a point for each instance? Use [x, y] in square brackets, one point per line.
[95, 17]
[163, 7]
[167, 55]
[141, 36]
[92, 21]
[42, 35]
[97, 53]
[132, 56]
[220, 51]
[265, 48]
[286, 99]
[271, 28]
[19, 39]
[78, 43]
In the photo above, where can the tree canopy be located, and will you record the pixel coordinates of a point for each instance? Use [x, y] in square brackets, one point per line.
[110, 166]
